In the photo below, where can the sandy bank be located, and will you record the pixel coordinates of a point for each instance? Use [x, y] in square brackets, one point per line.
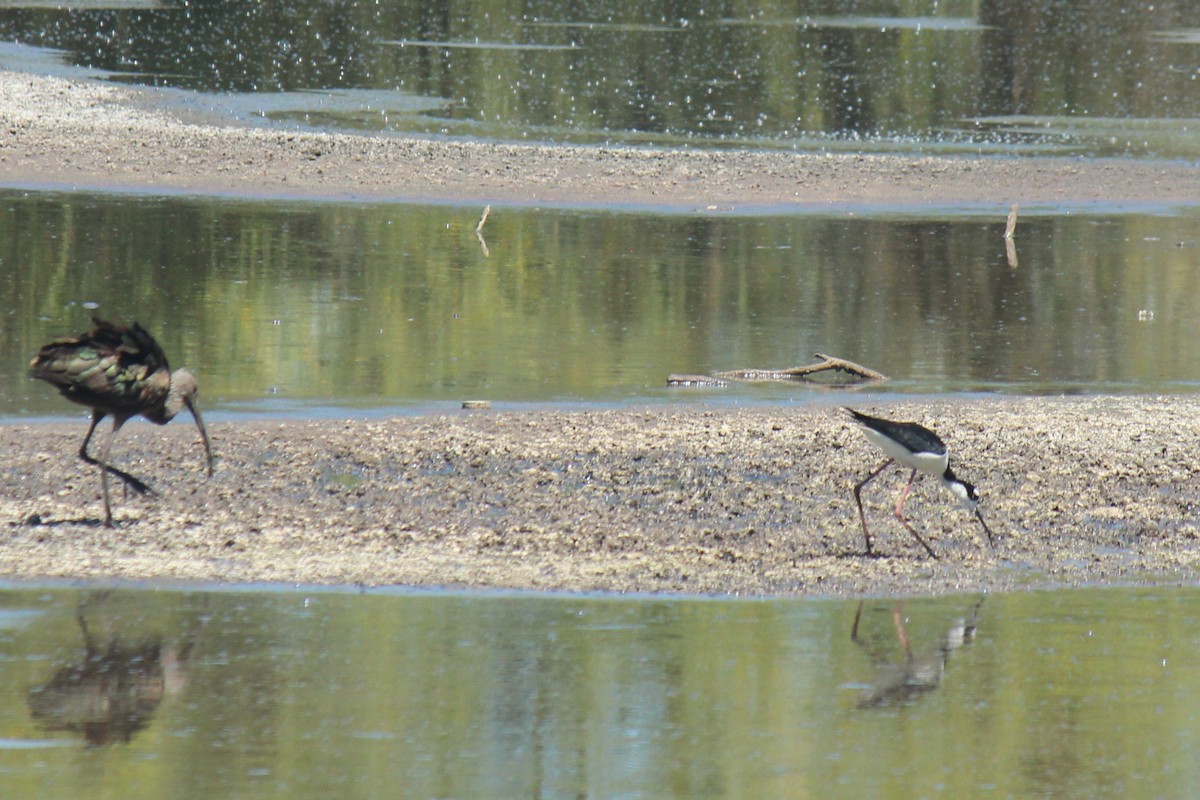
[90, 135]
[662, 500]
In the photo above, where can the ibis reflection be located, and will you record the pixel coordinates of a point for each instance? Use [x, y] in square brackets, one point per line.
[112, 691]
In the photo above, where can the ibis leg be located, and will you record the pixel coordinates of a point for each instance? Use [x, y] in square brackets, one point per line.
[137, 485]
[104, 472]
[862, 517]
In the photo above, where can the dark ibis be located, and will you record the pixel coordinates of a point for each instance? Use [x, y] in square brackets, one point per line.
[118, 371]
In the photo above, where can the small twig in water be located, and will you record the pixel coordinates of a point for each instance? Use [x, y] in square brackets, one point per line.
[1010, 229]
[1010, 233]
[479, 232]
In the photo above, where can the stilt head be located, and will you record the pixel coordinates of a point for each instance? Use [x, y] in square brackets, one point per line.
[965, 492]
[184, 391]
[969, 498]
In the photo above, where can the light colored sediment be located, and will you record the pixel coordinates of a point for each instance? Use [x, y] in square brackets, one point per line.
[91, 135]
[675, 500]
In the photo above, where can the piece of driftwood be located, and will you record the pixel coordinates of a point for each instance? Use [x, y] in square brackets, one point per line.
[858, 372]
[694, 380]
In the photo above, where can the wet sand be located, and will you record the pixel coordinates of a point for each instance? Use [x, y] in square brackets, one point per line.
[690, 500]
[685, 499]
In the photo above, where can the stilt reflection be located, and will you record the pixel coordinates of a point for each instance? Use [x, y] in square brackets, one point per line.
[918, 673]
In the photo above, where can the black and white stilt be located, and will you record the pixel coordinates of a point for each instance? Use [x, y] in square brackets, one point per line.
[921, 449]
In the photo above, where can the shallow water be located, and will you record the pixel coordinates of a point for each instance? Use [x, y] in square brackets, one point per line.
[293, 308]
[939, 75]
[298, 694]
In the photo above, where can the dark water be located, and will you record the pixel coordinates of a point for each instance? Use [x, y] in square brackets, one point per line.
[1073, 76]
[133, 693]
[292, 307]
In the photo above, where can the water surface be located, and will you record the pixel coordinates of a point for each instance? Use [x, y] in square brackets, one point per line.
[282, 307]
[138, 693]
[937, 75]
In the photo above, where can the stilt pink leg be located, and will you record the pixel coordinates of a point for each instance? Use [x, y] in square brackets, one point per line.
[899, 512]
[901, 631]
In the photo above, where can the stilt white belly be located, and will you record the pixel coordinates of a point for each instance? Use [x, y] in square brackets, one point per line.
[930, 463]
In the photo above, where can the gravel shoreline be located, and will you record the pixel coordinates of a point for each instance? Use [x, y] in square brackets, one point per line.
[681, 500]
[86, 135]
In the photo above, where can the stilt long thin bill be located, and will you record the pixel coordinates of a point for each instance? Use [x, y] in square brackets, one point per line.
[986, 529]
[203, 436]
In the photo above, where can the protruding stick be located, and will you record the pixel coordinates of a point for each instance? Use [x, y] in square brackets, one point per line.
[1010, 229]
[1010, 232]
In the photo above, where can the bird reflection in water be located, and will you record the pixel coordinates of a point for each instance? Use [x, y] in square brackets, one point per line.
[113, 690]
[919, 673]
